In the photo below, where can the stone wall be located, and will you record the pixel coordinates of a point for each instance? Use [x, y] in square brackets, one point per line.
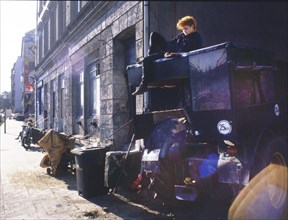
[97, 37]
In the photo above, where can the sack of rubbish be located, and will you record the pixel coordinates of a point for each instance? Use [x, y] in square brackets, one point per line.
[56, 145]
[45, 162]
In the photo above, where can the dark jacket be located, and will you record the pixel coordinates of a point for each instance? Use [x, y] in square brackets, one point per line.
[182, 43]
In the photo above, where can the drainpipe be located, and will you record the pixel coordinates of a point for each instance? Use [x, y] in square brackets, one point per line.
[146, 27]
[145, 48]
[35, 100]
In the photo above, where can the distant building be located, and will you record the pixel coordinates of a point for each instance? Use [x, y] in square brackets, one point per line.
[83, 48]
[22, 73]
[16, 88]
[28, 70]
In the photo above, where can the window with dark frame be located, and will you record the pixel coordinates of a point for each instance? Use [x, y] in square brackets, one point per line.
[54, 104]
[46, 39]
[253, 88]
[75, 8]
[61, 18]
[93, 71]
[80, 94]
[52, 29]
[62, 102]
[61, 95]
[39, 91]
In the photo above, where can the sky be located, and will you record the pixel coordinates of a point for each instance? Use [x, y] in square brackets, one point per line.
[17, 18]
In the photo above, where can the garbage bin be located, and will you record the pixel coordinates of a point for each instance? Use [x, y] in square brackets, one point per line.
[90, 164]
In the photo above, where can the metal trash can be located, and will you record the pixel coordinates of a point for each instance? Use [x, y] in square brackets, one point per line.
[90, 164]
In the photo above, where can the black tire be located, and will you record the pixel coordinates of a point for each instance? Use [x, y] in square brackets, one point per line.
[274, 150]
[26, 142]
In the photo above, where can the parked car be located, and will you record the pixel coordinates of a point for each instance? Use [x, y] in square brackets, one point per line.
[19, 117]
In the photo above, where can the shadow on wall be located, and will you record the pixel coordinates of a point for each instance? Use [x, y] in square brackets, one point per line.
[265, 197]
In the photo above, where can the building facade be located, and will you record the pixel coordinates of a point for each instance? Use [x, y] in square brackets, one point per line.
[16, 88]
[83, 48]
[22, 73]
[80, 66]
[28, 71]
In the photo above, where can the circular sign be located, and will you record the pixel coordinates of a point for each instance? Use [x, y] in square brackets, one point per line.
[224, 127]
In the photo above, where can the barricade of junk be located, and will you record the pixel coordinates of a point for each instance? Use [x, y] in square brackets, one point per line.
[97, 167]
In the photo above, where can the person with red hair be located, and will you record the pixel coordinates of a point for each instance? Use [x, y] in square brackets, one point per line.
[189, 39]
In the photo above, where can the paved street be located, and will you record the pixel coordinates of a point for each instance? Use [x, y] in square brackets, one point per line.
[28, 192]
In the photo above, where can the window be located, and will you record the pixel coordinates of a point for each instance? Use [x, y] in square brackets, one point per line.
[75, 8]
[52, 29]
[39, 95]
[253, 88]
[46, 39]
[130, 51]
[62, 103]
[53, 98]
[54, 105]
[267, 86]
[61, 18]
[94, 89]
[40, 45]
[45, 103]
[80, 94]
[61, 96]
[210, 90]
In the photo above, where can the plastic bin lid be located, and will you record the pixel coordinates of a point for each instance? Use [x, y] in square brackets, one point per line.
[82, 150]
